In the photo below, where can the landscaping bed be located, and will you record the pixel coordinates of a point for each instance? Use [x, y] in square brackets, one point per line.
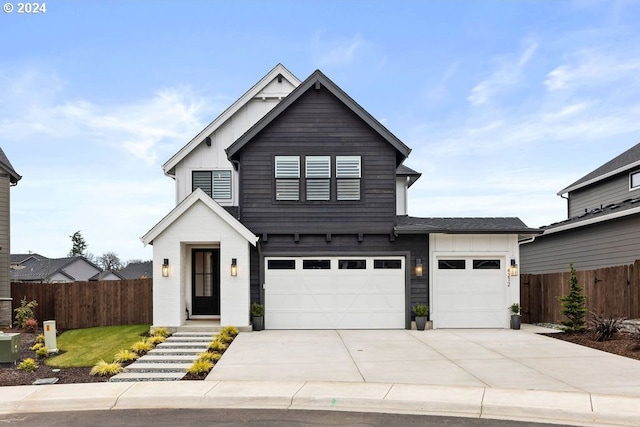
[622, 344]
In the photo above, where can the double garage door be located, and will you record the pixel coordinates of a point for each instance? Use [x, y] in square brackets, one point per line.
[335, 292]
[470, 292]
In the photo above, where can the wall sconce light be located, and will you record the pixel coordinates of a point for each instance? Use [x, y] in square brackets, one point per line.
[234, 267]
[165, 268]
[513, 268]
[418, 267]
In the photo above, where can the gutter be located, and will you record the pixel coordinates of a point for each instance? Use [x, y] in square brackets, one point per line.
[621, 214]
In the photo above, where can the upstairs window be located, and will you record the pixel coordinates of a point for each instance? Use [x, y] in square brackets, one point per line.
[217, 184]
[287, 174]
[318, 174]
[348, 174]
[634, 180]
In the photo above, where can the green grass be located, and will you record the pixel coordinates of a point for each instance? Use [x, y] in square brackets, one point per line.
[83, 348]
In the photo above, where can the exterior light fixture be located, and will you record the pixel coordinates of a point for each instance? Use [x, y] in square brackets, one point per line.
[165, 268]
[234, 267]
[513, 268]
[418, 269]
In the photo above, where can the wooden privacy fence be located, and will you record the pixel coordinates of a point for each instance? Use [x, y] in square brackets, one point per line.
[611, 291]
[88, 304]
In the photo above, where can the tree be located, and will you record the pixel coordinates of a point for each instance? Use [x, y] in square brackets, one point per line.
[110, 261]
[574, 305]
[79, 245]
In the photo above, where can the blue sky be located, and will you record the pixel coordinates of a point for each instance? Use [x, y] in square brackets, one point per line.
[503, 103]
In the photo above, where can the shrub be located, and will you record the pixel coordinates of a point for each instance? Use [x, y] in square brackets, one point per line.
[200, 367]
[42, 352]
[420, 310]
[25, 311]
[604, 328]
[209, 356]
[28, 365]
[224, 338]
[514, 308]
[141, 347]
[30, 324]
[37, 346]
[218, 346]
[104, 369]
[574, 305]
[232, 331]
[124, 356]
[257, 309]
[156, 339]
[40, 338]
[160, 332]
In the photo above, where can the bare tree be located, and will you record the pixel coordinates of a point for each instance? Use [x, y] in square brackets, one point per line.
[110, 261]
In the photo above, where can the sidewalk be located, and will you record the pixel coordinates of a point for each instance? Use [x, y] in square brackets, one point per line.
[478, 402]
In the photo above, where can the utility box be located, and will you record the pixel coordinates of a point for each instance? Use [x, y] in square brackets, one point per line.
[50, 339]
[10, 348]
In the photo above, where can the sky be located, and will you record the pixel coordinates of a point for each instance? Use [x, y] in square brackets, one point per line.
[504, 103]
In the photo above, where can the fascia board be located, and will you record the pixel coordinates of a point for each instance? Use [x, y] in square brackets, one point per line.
[599, 178]
[591, 221]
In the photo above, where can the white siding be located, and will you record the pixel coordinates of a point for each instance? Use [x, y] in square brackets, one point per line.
[401, 196]
[199, 227]
[81, 270]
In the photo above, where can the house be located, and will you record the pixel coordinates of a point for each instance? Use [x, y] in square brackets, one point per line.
[137, 270]
[59, 270]
[106, 275]
[602, 228]
[8, 178]
[296, 197]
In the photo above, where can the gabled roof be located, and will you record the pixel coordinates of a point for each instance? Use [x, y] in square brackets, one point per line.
[5, 165]
[508, 225]
[20, 258]
[42, 269]
[315, 79]
[190, 200]
[278, 70]
[137, 270]
[104, 274]
[628, 160]
[408, 172]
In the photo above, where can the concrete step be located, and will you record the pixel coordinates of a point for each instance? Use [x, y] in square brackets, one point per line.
[205, 339]
[147, 376]
[176, 351]
[194, 334]
[166, 358]
[167, 344]
[158, 367]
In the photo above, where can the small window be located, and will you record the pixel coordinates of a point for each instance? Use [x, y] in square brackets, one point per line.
[202, 180]
[318, 174]
[348, 174]
[316, 264]
[634, 180]
[287, 174]
[281, 264]
[348, 167]
[352, 264]
[452, 264]
[486, 264]
[217, 183]
[387, 263]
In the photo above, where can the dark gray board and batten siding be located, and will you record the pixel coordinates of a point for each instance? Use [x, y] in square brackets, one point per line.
[611, 190]
[606, 244]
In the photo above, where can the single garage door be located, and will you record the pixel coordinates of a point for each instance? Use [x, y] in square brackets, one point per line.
[335, 293]
[470, 292]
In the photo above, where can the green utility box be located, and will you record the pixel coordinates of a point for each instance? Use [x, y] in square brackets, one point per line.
[10, 348]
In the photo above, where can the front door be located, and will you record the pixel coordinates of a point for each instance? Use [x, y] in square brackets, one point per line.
[205, 288]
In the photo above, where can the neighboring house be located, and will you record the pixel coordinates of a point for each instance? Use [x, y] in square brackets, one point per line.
[296, 197]
[70, 269]
[8, 178]
[603, 225]
[107, 275]
[137, 270]
[17, 259]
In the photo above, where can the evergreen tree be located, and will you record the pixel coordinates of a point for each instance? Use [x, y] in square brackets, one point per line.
[79, 245]
[574, 305]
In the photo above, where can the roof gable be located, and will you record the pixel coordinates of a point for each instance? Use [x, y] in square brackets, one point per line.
[628, 160]
[5, 165]
[316, 80]
[43, 269]
[178, 211]
[279, 71]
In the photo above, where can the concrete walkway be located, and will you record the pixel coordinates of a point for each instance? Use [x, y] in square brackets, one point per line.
[496, 374]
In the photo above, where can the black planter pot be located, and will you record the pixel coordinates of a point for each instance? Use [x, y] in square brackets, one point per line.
[516, 319]
[421, 322]
[258, 323]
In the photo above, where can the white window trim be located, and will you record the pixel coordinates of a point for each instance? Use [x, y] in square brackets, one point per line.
[631, 175]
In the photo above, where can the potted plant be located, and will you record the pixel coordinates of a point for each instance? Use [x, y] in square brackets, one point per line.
[257, 314]
[421, 311]
[515, 315]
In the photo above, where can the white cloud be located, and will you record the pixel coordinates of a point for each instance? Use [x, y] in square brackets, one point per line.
[335, 52]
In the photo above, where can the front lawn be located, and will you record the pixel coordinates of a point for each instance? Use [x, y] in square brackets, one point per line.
[86, 347]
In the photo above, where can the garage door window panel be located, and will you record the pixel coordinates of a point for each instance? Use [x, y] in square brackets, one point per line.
[281, 264]
[316, 264]
[486, 264]
[352, 264]
[452, 264]
[387, 264]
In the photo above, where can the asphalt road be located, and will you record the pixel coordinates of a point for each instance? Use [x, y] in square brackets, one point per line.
[244, 417]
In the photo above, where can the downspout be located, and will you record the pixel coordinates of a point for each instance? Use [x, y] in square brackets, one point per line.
[236, 165]
[567, 199]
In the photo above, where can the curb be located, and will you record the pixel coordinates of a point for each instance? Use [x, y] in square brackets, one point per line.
[576, 408]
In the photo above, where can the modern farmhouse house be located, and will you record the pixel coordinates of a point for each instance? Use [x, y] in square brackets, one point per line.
[296, 197]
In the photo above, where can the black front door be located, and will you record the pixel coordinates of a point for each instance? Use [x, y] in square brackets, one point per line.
[205, 283]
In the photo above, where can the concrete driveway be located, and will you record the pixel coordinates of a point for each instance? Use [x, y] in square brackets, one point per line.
[467, 358]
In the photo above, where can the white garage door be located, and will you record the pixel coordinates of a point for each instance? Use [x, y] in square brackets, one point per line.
[335, 293]
[470, 292]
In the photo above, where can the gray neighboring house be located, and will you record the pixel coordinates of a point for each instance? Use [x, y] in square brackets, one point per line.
[602, 228]
[58, 270]
[8, 178]
[137, 270]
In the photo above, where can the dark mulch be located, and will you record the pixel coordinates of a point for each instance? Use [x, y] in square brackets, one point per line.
[623, 344]
[10, 375]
